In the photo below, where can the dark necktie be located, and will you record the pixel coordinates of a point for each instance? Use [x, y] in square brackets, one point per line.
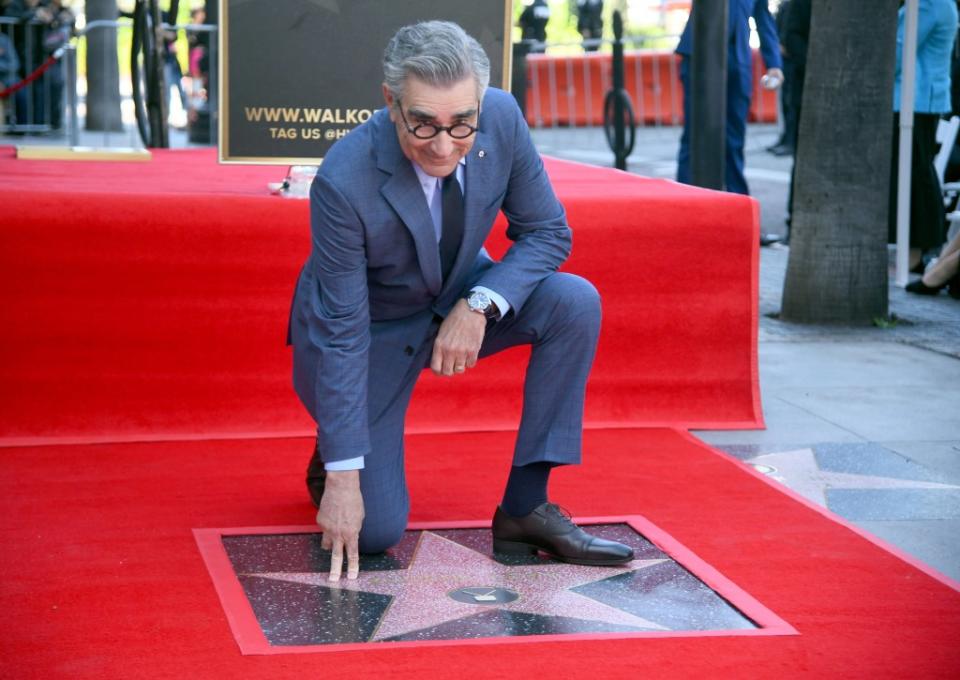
[451, 233]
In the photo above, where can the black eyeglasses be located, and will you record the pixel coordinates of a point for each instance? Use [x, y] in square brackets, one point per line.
[429, 130]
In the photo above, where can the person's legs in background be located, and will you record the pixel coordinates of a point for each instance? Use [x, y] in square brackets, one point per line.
[683, 156]
[738, 105]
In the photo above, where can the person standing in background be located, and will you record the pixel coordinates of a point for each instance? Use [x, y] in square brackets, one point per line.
[936, 30]
[590, 23]
[172, 71]
[788, 135]
[739, 84]
[57, 29]
[9, 64]
[533, 24]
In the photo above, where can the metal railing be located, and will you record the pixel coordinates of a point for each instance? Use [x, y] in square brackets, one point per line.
[566, 86]
[73, 94]
[38, 107]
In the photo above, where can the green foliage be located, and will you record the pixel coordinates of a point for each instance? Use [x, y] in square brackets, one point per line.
[891, 321]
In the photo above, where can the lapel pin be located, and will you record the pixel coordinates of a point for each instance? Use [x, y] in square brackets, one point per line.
[481, 153]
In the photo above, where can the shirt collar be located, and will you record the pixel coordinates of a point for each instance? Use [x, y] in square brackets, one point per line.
[428, 182]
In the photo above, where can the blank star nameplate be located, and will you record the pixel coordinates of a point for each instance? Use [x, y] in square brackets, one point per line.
[444, 583]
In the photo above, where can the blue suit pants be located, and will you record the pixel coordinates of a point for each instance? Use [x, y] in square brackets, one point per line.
[561, 322]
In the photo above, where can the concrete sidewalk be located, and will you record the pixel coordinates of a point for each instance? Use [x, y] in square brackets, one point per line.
[862, 420]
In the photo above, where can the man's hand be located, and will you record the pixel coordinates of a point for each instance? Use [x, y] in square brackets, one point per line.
[340, 516]
[772, 79]
[458, 341]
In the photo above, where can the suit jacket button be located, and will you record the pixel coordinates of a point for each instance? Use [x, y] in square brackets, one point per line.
[408, 350]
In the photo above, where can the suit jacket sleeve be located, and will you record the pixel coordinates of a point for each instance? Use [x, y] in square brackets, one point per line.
[338, 321]
[767, 29]
[537, 222]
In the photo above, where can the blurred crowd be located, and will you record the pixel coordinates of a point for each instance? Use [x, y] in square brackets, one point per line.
[33, 31]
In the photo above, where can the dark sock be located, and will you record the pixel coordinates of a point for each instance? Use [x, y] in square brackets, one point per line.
[526, 488]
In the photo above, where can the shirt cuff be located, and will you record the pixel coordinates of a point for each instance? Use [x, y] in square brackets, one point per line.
[343, 465]
[496, 298]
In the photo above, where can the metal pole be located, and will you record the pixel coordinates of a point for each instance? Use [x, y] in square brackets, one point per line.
[104, 96]
[535, 83]
[907, 88]
[213, 87]
[28, 57]
[73, 120]
[619, 133]
[156, 86]
[518, 80]
[708, 92]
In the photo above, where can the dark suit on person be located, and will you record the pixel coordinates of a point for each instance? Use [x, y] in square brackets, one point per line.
[739, 84]
[533, 22]
[371, 297]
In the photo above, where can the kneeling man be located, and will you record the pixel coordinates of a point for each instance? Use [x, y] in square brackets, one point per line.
[398, 280]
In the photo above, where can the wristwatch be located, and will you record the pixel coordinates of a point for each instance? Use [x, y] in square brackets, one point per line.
[480, 303]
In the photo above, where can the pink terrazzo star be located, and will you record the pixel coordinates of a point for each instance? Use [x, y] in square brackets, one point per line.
[421, 592]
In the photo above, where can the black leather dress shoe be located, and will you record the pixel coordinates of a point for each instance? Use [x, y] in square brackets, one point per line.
[953, 286]
[920, 288]
[770, 239]
[549, 529]
[316, 478]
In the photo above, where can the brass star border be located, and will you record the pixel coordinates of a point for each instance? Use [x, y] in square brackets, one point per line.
[420, 594]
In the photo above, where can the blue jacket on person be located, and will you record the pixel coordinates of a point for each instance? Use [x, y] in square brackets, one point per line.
[738, 31]
[9, 62]
[936, 30]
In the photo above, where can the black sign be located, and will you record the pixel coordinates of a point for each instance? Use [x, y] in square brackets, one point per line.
[296, 75]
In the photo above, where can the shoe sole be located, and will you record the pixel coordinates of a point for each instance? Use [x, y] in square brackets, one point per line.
[516, 548]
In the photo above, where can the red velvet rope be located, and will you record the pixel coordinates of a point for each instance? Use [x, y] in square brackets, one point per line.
[33, 76]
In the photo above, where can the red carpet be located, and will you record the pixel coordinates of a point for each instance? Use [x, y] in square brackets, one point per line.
[103, 579]
[158, 313]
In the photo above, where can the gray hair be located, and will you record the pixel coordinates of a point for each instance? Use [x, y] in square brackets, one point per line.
[439, 53]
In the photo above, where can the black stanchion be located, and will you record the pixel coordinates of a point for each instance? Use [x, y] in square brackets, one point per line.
[518, 76]
[618, 115]
[146, 72]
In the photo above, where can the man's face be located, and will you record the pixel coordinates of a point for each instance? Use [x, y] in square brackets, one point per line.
[443, 106]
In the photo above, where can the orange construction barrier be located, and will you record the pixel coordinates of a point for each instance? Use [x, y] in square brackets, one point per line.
[570, 90]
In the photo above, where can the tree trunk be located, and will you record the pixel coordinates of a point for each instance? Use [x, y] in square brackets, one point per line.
[837, 270]
[103, 78]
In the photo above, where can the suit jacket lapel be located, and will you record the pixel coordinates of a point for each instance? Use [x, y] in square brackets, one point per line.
[402, 191]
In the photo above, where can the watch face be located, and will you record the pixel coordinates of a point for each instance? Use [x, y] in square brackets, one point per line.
[478, 301]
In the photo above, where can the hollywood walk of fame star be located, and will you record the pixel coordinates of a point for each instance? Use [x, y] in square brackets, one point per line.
[799, 471]
[422, 592]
